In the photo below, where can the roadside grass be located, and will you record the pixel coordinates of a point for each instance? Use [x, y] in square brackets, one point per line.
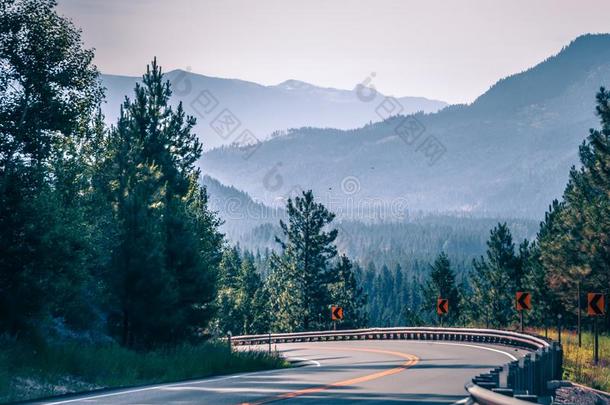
[28, 373]
[578, 361]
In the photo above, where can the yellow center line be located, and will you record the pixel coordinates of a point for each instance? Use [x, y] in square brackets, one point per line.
[411, 361]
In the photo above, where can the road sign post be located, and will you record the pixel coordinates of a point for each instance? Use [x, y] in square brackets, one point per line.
[579, 315]
[596, 307]
[546, 328]
[559, 328]
[521, 321]
[596, 345]
[523, 302]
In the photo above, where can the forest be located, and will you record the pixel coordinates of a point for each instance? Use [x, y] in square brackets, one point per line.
[106, 231]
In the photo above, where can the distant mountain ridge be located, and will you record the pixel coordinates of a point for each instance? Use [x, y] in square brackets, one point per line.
[507, 153]
[260, 109]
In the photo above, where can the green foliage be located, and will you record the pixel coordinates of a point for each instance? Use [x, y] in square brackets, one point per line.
[286, 295]
[303, 280]
[495, 280]
[242, 298]
[346, 292]
[574, 244]
[442, 284]
[394, 298]
[48, 93]
[166, 248]
[101, 230]
[302, 272]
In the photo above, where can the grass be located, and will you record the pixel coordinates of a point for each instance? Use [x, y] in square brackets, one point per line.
[578, 361]
[27, 373]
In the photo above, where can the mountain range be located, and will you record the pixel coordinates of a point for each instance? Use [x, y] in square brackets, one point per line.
[507, 153]
[262, 110]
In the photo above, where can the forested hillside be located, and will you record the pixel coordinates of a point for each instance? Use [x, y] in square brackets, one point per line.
[507, 154]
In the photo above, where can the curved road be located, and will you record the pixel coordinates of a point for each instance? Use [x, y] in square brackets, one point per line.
[352, 372]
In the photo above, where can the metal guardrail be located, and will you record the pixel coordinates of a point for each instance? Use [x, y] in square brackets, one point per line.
[518, 382]
[484, 396]
[490, 336]
[525, 379]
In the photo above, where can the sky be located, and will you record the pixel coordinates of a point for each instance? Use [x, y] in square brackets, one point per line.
[447, 50]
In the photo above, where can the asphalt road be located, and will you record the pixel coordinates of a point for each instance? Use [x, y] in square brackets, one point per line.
[357, 372]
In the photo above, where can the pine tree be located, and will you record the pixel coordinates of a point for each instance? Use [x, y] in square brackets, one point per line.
[230, 317]
[398, 300]
[249, 283]
[348, 294]
[535, 281]
[166, 246]
[286, 288]
[386, 286]
[574, 247]
[442, 284]
[301, 272]
[198, 273]
[495, 281]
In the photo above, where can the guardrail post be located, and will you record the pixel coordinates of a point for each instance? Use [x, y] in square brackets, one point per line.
[509, 381]
[536, 374]
[542, 370]
[520, 388]
[558, 354]
[529, 377]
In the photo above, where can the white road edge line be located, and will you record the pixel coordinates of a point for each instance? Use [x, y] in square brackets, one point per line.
[303, 360]
[156, 387]
[477, 347]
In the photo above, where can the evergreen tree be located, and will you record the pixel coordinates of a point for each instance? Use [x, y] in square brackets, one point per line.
[229, 318]
[386, 286]
[413, 311]
[347, 293]
[535, 281]
[286, 288]
[242, 300]
[48, 96]
[398, 300]
[442, 284]
[373, 309]
[248, 302]
[197, 278]
[574, 247]
[166, 246]
[300, 275]
[230, 266]
[495, 279]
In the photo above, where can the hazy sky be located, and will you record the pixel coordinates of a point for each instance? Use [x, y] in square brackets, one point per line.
[449, 50]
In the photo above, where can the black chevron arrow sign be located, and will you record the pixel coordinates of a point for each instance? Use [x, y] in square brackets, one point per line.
[337, 313]
[442, 306]
[596, 304]
[524, 301]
